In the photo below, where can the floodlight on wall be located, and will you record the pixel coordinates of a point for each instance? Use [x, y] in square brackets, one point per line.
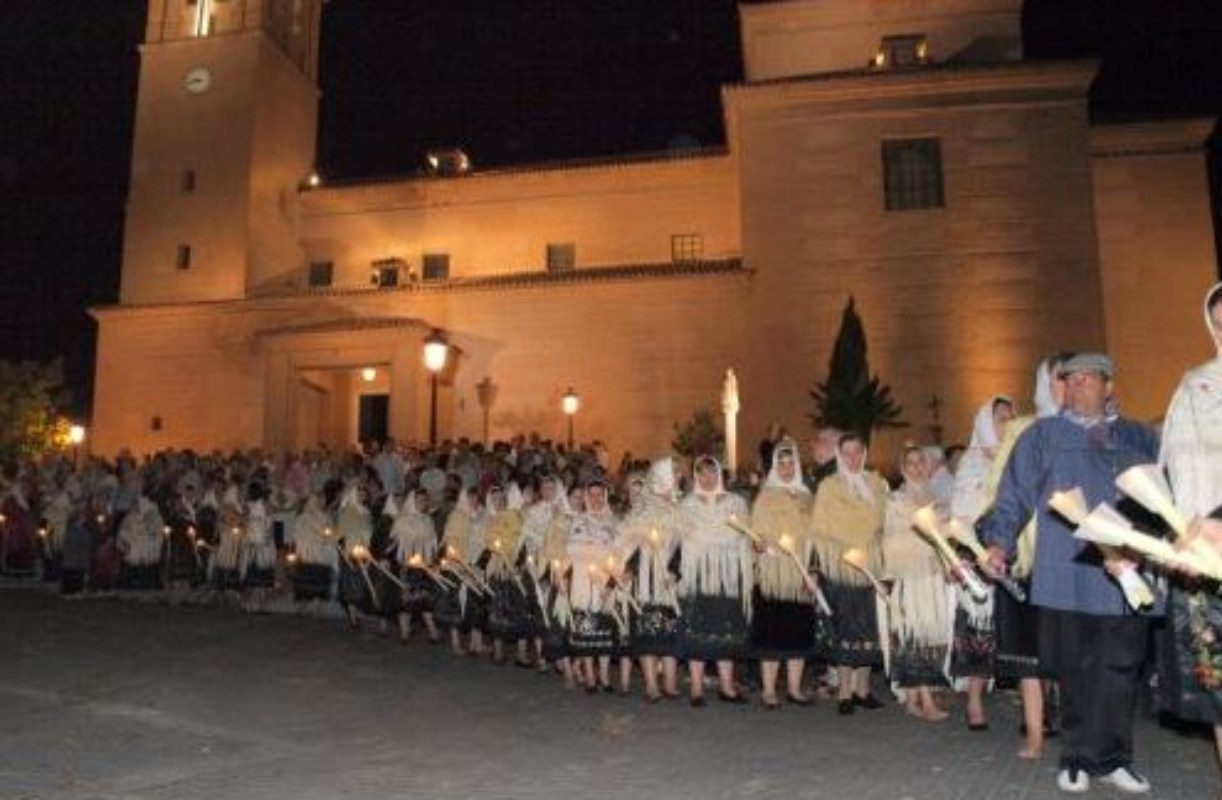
[369, 374]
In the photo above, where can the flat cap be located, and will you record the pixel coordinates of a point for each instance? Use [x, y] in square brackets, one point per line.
[1090, 362]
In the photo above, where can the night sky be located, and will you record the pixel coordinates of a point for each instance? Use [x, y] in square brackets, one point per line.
[511, 82]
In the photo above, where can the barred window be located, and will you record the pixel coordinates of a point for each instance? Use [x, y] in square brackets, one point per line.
[686, 247]
[183, 259]
[436, 266]
[386, 272]
[321, 274]
[912, 174]
[561, 256]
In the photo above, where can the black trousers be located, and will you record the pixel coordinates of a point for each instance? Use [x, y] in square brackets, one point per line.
[1097, 661]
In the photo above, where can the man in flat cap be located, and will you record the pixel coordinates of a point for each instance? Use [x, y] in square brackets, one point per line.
[1090, 639]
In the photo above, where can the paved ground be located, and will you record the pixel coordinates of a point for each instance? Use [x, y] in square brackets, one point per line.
[117, 699]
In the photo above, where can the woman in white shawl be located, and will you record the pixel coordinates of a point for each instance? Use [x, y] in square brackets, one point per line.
[354, 527]
[848, 516]
[315, 557]
[975, 642]
[413, 547]
[647, 543]
[783, 615]
[141, 537]
[592, 590]
[1017, 624]
[919, 613]
[463, 609]
[508, 613]
[258, 559]
[56, 510]
[223, 567]
[716, 579]
[556, 575]
[1192, 455]
[537, 520]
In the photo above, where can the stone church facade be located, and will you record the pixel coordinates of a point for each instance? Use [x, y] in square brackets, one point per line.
[903, 153]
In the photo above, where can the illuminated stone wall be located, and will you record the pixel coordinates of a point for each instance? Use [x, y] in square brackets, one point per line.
[1157, 250]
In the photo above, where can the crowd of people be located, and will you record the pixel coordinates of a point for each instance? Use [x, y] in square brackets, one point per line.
[552, 559]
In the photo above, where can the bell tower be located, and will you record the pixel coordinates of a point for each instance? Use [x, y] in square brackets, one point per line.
[225, 131]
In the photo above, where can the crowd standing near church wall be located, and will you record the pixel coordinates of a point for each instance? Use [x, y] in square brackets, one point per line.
[548, 557]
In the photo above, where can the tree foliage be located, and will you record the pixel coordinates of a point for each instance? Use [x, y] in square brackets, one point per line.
[699, 435]
[29, 394]
[851, 399]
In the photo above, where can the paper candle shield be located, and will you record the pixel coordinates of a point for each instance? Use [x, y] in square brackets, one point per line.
[1145, 484]
[1070, 504]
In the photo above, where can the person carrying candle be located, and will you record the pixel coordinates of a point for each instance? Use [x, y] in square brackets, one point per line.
[1089, 638]
[783, 616]
[848, 514]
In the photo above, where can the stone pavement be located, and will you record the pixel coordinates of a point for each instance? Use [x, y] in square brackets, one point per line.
[106, 699]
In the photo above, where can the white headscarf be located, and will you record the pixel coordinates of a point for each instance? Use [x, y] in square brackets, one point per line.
[1192, 431]
[984, 433]
[1214, 333]
[661, 477]
[513, 497]
[856, 480]
[720, 489]
[1045, 404]
[793, 485]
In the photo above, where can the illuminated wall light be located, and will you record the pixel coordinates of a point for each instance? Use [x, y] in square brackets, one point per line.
[880, 60]
[369, 374]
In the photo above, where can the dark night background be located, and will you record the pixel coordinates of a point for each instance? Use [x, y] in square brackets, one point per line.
[510, 81]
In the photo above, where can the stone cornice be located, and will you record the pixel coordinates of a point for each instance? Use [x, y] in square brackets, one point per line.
[1160, 137]
[340, 194]
[940, 84]
[535, 279]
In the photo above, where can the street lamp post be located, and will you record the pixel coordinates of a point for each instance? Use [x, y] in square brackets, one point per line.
[436, 351]
[485, 393]
[76, 435]
[569, 404]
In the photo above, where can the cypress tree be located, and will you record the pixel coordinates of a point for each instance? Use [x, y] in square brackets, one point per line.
[851, 399]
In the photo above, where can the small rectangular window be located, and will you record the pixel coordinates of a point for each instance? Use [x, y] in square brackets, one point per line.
[188, 181]
[321, 274]
[908, 50]
[436, 266]
[386, 272]
[912, 174]
[183, 259]
[561, 256]
[155, 424]
[686, 247]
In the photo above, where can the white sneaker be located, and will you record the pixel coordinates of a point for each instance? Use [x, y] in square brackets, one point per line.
[1073, 781]
[1126, 780]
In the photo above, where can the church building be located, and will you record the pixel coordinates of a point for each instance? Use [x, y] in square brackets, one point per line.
[903, 153]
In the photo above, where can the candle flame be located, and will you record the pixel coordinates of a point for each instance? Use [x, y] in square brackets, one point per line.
[855, 558]
[926, 520]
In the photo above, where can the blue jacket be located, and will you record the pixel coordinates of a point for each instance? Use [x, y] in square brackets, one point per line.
[1057, 454]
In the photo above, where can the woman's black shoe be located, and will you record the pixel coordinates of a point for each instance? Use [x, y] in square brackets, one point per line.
[798, 701]
[845, 707]
[730, 698]
[698, 702]
[869, 702]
